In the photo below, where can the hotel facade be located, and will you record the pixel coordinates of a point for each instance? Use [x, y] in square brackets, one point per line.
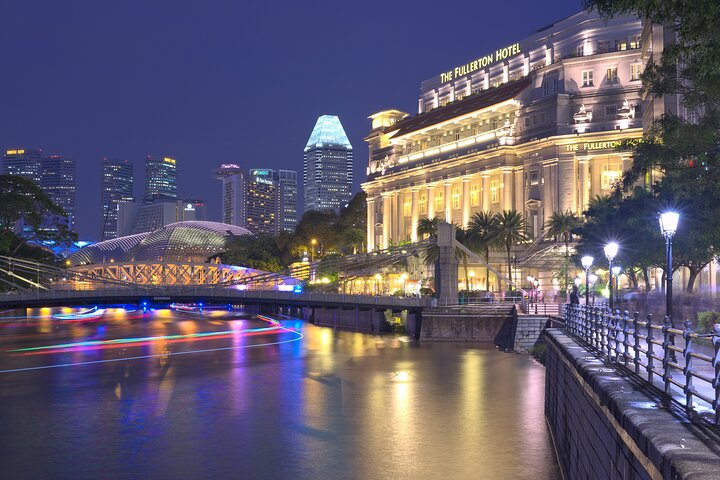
[532, 126]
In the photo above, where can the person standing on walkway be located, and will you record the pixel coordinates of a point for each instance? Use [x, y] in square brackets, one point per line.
[574, 296]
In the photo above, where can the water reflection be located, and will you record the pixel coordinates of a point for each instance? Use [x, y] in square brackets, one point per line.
[331, 405]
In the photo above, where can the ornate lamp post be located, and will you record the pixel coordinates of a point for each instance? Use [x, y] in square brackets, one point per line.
[611, 250]
[593, 278]
[616, 272]
[531, 281]
[668, 227]
[536, 283]
[587, 262]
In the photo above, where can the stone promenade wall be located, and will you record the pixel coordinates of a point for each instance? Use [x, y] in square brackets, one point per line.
[607, 425]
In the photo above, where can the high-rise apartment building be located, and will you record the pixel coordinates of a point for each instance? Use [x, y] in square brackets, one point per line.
[327, 174]
[116, 187]
[160, 178]
[58, 182]
[26, 163]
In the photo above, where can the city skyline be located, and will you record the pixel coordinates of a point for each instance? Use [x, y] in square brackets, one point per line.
[205, 120]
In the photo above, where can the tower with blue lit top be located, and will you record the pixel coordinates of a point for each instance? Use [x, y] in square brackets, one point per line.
[327, 174]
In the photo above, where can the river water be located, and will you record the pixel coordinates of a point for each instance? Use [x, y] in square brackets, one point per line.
[165, 394]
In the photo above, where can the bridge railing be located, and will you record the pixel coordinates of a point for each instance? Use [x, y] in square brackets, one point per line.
[677, 357]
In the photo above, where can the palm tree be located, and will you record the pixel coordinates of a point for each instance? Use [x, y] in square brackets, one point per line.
[512, 228]
[562, 224]
[462, 236]
[483, 232]
[427, 226]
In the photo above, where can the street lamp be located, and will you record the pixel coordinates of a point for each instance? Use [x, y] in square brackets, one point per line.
[587, 262]
[537, 284]
[531, 281]
[593, 278]
[616, 271]
[668, 227]
[313, 242]
[611, 250]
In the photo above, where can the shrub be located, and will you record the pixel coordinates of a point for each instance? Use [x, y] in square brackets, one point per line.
[538, 352]
[706, 321]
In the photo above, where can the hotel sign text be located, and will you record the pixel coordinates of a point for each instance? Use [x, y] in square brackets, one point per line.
[482, 62]
[592, 146]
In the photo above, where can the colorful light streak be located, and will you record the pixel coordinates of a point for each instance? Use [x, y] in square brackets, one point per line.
[91, 313]
[274, 328]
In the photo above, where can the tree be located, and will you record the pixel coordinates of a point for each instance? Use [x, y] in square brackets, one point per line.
[512, 229]
[562, 225]
[260, 252]
[484, 235]
[427, 226]
[21, 198]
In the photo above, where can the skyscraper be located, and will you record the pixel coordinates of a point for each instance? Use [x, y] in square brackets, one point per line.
[285, 196]
[327, 175]
[160, 178]
[58, 182]
[261, 202]
[23, 162]
[233, 185]
[117, 186]
[287, 201]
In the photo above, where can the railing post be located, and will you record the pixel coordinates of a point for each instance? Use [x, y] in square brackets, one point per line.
[610, 333]
[626, 332]
[666, 355]
[688, 370]
[650, 345]
[636, 343]
[716, 364]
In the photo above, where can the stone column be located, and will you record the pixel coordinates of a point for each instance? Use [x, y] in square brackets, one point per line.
[485, 192]
[370, 224]
[584, 187]
[430, 202]
[414, 215]
[548, 200]
[507, 189]
[399, 224]
[387, 219]
[448, 201]
[465, 201]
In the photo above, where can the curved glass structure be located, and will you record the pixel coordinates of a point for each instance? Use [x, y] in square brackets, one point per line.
[192, 241]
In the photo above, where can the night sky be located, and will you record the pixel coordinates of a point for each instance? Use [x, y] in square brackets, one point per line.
[210, 82]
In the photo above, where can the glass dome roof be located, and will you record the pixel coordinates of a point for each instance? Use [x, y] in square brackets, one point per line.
[193, 241]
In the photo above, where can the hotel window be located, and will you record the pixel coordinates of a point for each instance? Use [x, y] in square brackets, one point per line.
[407, 207]
[620, 46]
[534, 177]
[555, 86]
[603, 46]
[494, 194]
[635, 41]
[456, 198]
[612, 76]
[527, 121]
[580, 50]
[610, 110]
[546, 88]
[610, 175]
[636, 71]
[587, 78]
[474, 195]
[422, 203]
[439, 202]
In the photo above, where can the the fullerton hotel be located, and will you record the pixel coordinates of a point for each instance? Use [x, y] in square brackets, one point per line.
[531, 126]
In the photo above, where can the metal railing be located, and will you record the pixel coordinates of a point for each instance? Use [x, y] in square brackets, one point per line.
[650, 350]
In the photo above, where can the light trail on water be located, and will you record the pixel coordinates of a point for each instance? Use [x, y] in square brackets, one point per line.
[70, 347]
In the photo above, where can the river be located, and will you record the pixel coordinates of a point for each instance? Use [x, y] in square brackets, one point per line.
[166, 394]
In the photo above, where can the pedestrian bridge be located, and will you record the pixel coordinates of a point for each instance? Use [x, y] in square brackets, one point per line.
[208, 295]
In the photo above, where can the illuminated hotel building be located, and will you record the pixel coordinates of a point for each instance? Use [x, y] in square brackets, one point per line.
[160, 178]
[116, 187]
[327, 174]
[58, 182]
[262, 200]
[136, 217]
[531, 126]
